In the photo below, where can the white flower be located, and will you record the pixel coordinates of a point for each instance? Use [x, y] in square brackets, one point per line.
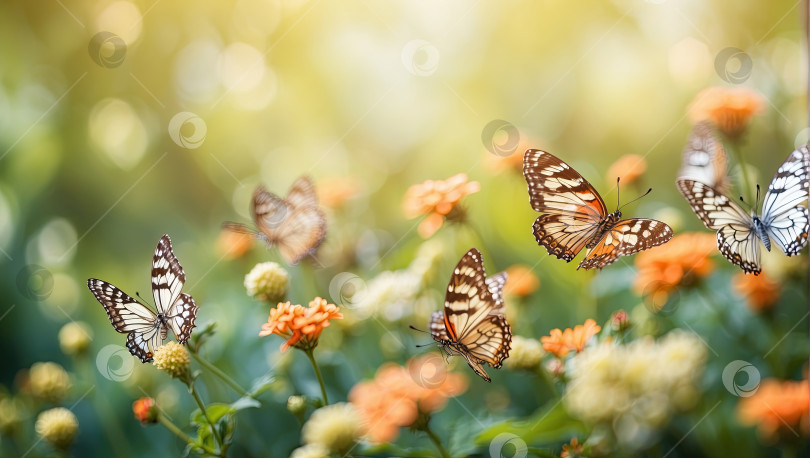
[525, 354]
[57, 426]
[335, 427]
[310, 451]
[267, 281]
[391, 294]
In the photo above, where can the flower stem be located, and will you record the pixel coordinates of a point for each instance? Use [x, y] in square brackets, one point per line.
[436, 440]
[179, 433]
[205, 414]
[311, 357]
[219, 373]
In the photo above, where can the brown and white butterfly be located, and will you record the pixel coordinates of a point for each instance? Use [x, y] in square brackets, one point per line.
[704, 159]
[473, 322]
[146, 330]
[739, 233]
[575, 217]
[295, 224]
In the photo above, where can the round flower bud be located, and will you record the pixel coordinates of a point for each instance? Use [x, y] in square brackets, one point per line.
[48, 381]
[267, 281]
[297, 405]
[58, 427]
[145, 410]
[526, 354]
[335, 427]
[173, 359]
[74, 338]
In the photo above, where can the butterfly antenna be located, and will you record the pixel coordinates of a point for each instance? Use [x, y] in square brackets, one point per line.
[756, 204]
[637, 198]
[417, 329]
[617, 193]
[141, 298]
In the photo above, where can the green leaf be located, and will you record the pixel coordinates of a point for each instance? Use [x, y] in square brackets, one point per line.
[548, 425]
[261, 384]
[245, 402]
[214, 412]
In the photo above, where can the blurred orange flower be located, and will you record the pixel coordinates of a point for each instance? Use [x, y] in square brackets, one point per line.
[776, 406]
[760, 291]
[145, 410]
[628, 167]
[334, 192]
[397, 395]
[520, 280]
[561, 342]
[232, 245]
[730, 109]
[436, 199]
[680, 262]
[301, 326]
[572, 449]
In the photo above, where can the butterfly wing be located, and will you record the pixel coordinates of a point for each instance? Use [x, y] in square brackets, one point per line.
[736, 238]
[127, 315]
[302, 193]
[167, 276]
[625, 238]
[704, 159]
[785, 220]
[302, 233]
[573, 209]
[495, 286]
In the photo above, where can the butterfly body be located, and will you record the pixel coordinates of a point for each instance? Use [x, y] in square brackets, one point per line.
[146, 329]
[762, 231]
[472, 324]
[575, 216]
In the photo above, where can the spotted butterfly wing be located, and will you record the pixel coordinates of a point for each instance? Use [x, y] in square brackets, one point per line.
[472, 323]
[295, 224]
[575, 217]
[704, 159]
[146, 330]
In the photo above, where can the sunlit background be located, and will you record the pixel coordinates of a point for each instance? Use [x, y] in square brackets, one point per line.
[124, 120]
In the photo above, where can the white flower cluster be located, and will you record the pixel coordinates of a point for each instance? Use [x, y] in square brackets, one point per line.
[638, 386]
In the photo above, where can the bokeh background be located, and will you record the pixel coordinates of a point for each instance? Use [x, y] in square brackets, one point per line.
[124, 120]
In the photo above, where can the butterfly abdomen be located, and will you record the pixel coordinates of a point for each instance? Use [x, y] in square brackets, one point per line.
[762, 233]
[605, 225]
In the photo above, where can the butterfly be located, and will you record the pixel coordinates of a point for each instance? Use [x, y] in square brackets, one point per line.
[295, 224]
[145, 330]
[472, 323]
[575, 217]
[704, 159]
[782, 218]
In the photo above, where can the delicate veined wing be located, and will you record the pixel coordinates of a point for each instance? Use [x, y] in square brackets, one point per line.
[472, 323]
[167, 276]
[302, 193]
[704, 159]
[625, 238]
[736, 238]
[556, 188]
[181, 317]
[564, 236]
[125, 313]
[302, 234]
[269, 211]
[783, 218]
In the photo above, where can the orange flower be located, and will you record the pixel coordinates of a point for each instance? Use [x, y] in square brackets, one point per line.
[571, 450]
[398, 395]
[520, 280]
[729, 109]
[145, 410]
[301, 326]
[437, 199]
[232, 245]
[776, 406]
[680, 262]
[761, 291]
[561, 342]
[628, 167]
[334, 192]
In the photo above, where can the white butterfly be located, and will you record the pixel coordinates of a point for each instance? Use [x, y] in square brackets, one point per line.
[704, 159]
[145, 329]
[295, 224]
[739, 233]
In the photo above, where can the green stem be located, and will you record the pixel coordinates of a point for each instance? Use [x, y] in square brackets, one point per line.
[311, 357]
[219, 373]
[205, 414]
[179, 433]
[436, 440]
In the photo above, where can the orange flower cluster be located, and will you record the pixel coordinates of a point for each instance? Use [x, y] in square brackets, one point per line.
[145, 410]
[729, 109]
[232, 245]
[760, 291]
[572, 449]
[561, 342]
[520, 280]
[397, 395]
[776, 406]
[436, 199]
[629, 168]
[301, 326]
[680, 262]
[334, 192]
